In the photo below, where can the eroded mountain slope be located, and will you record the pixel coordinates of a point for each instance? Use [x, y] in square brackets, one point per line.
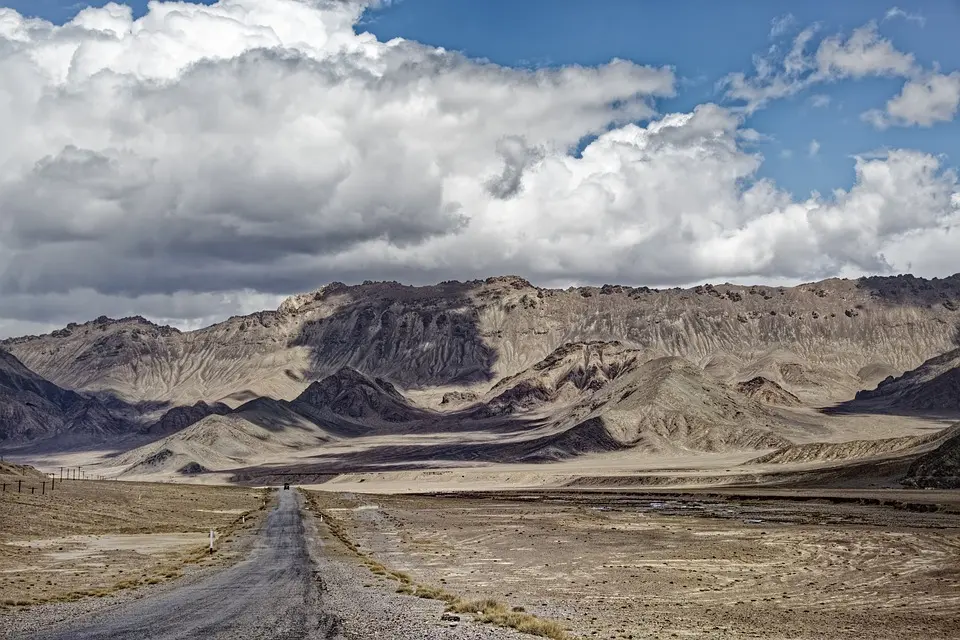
[33, 408]
[483, 331]
[939, 468]
[934, 387]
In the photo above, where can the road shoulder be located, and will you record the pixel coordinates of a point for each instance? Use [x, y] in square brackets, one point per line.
[369, 606]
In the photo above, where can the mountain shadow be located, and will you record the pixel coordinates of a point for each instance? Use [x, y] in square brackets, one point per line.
[415, 336]
[931, 390]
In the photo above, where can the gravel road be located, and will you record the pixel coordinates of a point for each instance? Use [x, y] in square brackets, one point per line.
[270, 595]
[290, 587]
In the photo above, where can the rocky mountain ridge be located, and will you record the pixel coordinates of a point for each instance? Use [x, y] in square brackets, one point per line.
[477, 333]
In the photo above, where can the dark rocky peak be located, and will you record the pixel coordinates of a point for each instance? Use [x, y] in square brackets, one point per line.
[180, 418]
[348, 379]
[348, 392]
[767, 391]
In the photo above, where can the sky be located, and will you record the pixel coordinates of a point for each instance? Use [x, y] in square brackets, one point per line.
[191, 161]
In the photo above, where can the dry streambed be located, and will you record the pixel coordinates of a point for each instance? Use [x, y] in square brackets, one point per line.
[94, 538]
[610, 568]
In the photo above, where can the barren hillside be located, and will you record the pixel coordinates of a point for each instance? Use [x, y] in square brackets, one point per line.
[839, 332]
[934, 386]
[939, 468]
[33, 408]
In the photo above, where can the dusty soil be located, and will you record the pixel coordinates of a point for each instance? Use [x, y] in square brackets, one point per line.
[293, 582]
[635, 566]
[88, 538]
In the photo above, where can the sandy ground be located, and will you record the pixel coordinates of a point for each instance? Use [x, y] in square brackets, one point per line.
[91, 538]
[629, 566]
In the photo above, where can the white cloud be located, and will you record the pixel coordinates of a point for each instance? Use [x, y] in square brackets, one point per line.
[864, 53]
[781, 24]
[897, 12]
[926, 98]
[820, 100]
[203, 160]
[923, 101]
[814, 148]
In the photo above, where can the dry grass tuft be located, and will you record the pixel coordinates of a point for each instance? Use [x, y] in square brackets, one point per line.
[495, 612]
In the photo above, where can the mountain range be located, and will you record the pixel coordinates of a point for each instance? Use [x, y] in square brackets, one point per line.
[493, 371]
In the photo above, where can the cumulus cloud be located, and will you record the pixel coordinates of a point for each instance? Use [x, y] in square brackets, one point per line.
[864, 53]
[203, 160]
[923, 101]
[814, 148]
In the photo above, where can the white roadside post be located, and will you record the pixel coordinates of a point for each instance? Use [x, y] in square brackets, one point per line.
[211, 540]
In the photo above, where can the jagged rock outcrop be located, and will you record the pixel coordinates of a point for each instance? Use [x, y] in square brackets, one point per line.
[566, 375]
[767, 392]
[669, 405]
[458, 398]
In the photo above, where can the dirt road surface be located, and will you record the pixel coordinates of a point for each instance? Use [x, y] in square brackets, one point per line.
[271, 595]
